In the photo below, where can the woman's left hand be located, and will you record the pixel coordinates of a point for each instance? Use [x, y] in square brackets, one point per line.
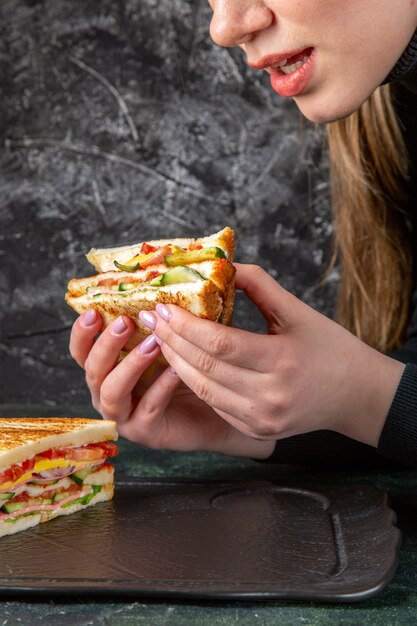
[308, 373]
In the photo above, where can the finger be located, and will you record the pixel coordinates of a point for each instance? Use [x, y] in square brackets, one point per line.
[83, 334]
[214, 341]
[147, 424]
[116, 390]
[277, 305]
[237, 404]
[105, 352]
[229, 368]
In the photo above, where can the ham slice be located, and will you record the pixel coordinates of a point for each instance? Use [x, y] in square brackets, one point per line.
[45, 507]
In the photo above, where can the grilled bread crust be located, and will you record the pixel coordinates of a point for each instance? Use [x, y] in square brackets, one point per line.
[223, 276]
[23, 437]
[228, 303]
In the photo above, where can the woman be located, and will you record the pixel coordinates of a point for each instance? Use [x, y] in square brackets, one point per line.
[310, 386]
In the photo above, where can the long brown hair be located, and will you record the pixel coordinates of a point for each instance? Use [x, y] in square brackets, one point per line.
[368, 172]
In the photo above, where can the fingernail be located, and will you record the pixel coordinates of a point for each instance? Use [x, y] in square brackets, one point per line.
[148, 345]
[158, 341]
[163, 311]
[89, 317]
[148, 319]
[119, 326]
[172, 371]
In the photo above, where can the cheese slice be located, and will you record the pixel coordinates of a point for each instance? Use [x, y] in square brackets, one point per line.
[41, 466]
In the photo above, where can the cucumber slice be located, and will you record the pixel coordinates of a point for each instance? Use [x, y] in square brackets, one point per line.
[13, 507]
[60, 496]
[6, 496]
[194, 256]
[127, 286]
[180, 274]
[156, 282]
[80, 476]
[48, 500]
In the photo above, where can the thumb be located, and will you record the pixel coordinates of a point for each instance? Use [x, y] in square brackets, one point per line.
[278, 306]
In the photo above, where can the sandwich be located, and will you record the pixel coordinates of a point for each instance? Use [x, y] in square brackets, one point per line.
[195, 274]
[51, 467]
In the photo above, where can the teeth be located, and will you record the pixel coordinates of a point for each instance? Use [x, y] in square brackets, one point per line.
[287, 69]
[281, 63]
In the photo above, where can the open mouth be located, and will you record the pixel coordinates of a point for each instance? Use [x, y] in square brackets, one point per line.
[293, 63]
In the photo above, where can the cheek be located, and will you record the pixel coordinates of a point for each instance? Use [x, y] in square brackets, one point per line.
[346, 75]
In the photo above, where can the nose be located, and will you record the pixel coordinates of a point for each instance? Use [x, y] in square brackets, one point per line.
[236, 22]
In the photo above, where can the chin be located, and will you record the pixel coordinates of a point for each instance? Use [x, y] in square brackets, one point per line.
[323, 110]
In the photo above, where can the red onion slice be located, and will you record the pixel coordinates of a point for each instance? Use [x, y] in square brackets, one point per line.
[55, 473]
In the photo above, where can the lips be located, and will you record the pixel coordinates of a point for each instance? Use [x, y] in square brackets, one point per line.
[290, 72]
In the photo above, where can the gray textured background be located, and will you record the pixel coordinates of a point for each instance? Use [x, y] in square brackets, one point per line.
[121, 121]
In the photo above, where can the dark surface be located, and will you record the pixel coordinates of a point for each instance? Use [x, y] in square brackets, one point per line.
[396, 605]
[216, 540]
[121, 121]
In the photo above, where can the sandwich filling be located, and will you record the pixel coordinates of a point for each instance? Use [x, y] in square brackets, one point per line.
[54, 479]
[123, 284]
[170, 255]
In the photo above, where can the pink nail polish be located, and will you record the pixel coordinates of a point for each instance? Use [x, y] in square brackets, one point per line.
[119, 326]
[89, 318]
[148, 345]
[163, 311]
[148, 319]
[158, 341]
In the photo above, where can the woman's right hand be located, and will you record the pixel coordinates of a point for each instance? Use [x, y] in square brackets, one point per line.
[162, 413]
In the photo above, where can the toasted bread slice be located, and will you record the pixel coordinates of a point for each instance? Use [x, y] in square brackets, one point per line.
[23, 437]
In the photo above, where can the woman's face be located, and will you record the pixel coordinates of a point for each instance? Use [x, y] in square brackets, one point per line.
[337, 51]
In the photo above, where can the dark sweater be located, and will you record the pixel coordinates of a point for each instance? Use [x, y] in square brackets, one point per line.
[398, 441]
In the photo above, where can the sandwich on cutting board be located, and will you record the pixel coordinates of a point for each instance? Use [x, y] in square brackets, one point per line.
[51, 467]
[195, 274]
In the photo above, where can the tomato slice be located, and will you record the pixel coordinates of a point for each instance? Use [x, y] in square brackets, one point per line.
[28, 465]
[50, 493]
[147, 248]
[12, 474]
[157, 257]
[92, 452]
[109, 449]
[85, 454]
[151, 275]
[16, 471]
[52, 453]
[23, 497]
[107, 282]
[195, 246]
